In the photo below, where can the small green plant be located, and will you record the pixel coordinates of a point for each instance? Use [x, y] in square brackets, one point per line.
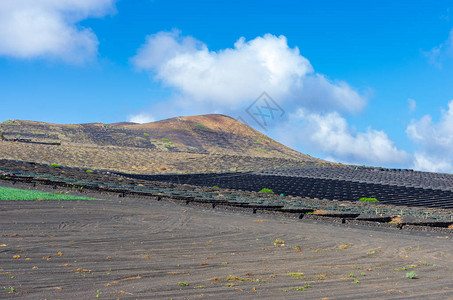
[411, 275]
[266, 190]
[363, 274]
[165, 140]
[351, 275]
[200, 287]
[146, 134]
[89, 171]
[55, 166]
[279, 242]
[306, 286]
[262, 150]
[355, 281]
[183, 284]
[97, 294]
[215, 187]
[368, 200]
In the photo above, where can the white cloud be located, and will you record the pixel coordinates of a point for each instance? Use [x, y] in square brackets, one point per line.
[425, 162]
[435, 138]
[141, 118]
[48, 28]
[331, 135]
[233, 77]
[412, 105]
[228, 80]
[435, 141]
[438, 54]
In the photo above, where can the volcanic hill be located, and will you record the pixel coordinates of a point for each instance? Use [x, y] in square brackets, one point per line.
[193, 144]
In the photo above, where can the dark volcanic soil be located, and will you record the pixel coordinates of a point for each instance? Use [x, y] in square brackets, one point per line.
[139, 249]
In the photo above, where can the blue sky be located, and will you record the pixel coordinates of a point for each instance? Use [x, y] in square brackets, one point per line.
[360, 82]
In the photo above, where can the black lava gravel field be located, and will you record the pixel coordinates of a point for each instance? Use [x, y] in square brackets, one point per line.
[420, 189]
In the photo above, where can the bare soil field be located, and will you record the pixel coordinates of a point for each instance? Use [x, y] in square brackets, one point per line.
[126, 248]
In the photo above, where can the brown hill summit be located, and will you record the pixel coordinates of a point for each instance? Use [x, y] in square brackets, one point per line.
[202, 143]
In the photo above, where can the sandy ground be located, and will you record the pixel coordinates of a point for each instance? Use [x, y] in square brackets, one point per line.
[141, 249]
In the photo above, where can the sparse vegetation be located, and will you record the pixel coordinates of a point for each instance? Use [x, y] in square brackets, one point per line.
[183, 284]
[89, 171]
[368, 200]
[297, 275]
[165, 140]
[266, 190]
[411, 275]
[55, 166]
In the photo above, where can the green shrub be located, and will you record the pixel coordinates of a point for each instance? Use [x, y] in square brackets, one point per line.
[55, 166]
[268, 191]
[368, 200]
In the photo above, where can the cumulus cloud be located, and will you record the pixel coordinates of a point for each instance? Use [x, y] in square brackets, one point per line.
[426, 162]
[331, 135]
[228, 80]
[49, 28]
[235, 76]
[141, 118]
[435, 141]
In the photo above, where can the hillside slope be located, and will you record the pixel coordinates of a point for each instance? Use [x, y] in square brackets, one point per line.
[183, 144]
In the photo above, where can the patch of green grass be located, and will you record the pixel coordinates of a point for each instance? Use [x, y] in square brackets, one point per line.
[265, 190]
[89, 171]
[215, 187]
[297, 275]
[262, 150]
[165, 140]
[146, 134]
[17, 194]
[368, 200]
[183, 284]
[411, 275]
[55, 166]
